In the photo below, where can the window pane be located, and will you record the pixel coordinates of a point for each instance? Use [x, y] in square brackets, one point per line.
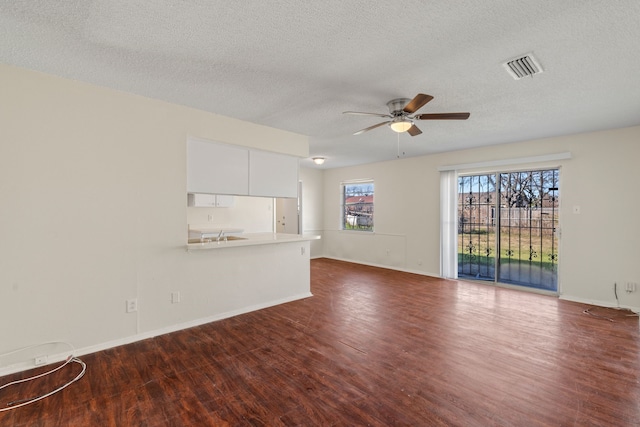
[357, 204]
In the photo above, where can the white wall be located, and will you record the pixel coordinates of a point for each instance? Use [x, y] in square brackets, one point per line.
[312, 207]
[252, 214]
[598, 247]
[93, 212]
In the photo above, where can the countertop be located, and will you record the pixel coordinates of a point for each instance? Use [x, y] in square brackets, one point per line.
[252, 239]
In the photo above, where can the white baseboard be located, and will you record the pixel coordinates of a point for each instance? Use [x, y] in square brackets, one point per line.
[388, 267]
[57, 358]
[607, 304]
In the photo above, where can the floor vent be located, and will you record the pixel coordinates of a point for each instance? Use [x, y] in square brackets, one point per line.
[523, 67]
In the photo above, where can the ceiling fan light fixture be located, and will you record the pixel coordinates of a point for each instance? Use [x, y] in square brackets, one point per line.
[401, 125]
[318, 160]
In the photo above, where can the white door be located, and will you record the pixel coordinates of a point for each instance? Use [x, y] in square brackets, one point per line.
[288, 214]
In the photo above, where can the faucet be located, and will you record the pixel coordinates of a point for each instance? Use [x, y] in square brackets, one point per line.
[220, 235]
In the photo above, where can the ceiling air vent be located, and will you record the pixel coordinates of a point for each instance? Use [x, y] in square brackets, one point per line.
[523, 67]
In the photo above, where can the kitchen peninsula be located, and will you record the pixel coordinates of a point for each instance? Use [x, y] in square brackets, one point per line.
[233, 251]
[250, 271]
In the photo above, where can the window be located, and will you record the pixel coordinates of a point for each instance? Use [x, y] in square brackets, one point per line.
[357, 205]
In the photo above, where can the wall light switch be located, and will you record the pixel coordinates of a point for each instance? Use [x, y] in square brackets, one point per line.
[576, 210]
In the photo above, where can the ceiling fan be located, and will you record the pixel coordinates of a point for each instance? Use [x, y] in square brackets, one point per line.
[401, 113]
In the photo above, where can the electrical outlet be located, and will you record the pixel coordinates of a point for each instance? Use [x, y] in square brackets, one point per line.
[210, 218]
[132, 305]
[175, 297]
[631, 287]
[40, 360]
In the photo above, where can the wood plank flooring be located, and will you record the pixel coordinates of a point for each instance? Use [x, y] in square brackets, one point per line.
[372, 347]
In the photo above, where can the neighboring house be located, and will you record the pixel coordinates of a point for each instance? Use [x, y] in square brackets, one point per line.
[359, 211]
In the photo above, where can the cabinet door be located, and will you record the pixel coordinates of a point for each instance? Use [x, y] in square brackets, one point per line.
[201, 200]
[217, 168]
[210, 201]
[224, 201]
[272, 174]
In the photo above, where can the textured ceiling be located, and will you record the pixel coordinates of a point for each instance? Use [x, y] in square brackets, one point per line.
[297, 65]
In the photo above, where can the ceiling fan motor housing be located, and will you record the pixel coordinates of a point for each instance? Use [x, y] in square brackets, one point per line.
[396, 106]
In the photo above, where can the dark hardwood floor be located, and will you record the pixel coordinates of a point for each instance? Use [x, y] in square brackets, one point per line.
[372, 347]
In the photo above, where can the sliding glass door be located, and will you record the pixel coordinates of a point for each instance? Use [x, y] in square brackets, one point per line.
[507, 228]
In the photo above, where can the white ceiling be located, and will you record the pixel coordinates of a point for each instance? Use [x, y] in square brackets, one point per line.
[298, 65]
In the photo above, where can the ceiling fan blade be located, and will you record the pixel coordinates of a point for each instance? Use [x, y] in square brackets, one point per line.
[442, 116]
[371, 127]
[417, 103]
[413, 131]
[358, 113]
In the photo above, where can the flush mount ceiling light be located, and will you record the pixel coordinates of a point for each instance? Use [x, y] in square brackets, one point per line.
[318, 160]
[401, 125]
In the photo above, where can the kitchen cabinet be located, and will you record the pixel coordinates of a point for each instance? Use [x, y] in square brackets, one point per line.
[223, 169]
[210, 200]
[217, 168]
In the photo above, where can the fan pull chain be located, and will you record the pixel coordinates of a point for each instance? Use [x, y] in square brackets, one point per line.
[399, 146]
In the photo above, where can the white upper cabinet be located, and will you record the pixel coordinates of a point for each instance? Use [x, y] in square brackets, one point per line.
[224, 201]
[217, 168]
[210, 200]
[272, 174]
